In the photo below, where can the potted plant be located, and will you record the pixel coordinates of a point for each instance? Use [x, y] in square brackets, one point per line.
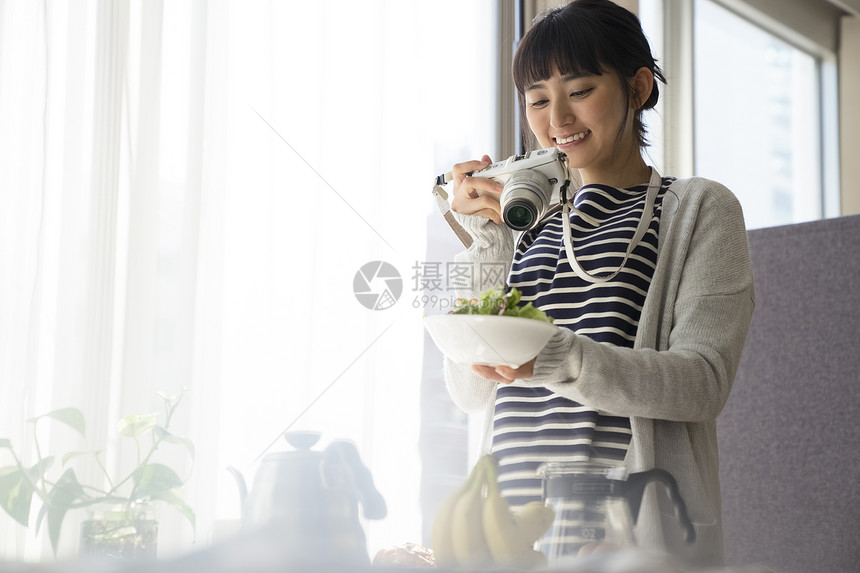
[121, 521]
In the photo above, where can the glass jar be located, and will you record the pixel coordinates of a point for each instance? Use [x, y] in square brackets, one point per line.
[596, 506]
[120, 531]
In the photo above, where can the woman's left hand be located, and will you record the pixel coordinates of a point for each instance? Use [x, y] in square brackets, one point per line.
[505, 374]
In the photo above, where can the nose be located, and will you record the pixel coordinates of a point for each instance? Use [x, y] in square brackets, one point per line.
[560, 113]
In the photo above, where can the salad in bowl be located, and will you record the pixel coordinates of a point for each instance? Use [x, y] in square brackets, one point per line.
[494, 329]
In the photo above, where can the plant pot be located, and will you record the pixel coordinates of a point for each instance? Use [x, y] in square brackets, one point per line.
[120, 531]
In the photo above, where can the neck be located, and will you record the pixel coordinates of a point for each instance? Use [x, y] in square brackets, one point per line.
[620, 176]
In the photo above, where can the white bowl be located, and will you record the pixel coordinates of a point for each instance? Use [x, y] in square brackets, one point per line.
[489, 339]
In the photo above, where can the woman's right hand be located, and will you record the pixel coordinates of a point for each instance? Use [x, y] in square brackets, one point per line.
[476, 195]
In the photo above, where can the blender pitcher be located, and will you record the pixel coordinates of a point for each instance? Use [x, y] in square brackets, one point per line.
[597, 505]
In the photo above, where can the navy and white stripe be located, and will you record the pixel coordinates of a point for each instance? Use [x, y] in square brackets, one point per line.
[534, 425]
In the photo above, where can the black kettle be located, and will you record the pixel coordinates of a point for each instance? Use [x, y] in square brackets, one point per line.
[310, 499]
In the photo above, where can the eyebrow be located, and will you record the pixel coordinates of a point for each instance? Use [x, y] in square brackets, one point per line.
[567, 78]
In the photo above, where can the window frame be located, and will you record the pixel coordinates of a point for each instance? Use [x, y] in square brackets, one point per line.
[816, 27]
[809, 31]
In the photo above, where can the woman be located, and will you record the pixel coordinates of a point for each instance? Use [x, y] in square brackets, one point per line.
[646, 358]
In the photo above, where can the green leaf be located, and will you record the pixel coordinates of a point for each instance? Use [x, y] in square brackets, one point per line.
[189, 445]
[4, 471]
[163, 434]
[37, 471]
[135, 424]
[70, 416]
[153, 479]
[69, 456]
[171, 497]
[64, 493]
[530, 311]
[16, 494]
[495, 301]
[513, 298]
[42, 513]
[17, 488]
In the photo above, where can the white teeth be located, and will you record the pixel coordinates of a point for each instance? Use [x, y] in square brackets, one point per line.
[575, 137]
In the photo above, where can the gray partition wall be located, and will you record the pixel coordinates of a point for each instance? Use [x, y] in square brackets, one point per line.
[790, 432]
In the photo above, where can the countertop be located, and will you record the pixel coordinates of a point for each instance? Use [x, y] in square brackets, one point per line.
[262, 552]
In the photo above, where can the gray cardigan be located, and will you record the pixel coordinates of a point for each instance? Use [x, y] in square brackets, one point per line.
[676, 378]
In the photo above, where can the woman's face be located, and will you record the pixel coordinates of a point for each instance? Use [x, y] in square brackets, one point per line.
[581, 116]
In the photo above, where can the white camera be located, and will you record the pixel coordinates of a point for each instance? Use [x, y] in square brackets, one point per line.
[532, 183]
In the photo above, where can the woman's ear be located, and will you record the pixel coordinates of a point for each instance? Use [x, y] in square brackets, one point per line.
[641, 85]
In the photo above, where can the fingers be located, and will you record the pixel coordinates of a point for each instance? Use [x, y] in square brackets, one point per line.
[489, 372]
[462, 169]
[476, 195]
[474, 187]
[522, 373]
[491, 213]
[505, 374]
[484, 205]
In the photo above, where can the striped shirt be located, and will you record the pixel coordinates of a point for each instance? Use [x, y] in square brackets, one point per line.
[533, 425]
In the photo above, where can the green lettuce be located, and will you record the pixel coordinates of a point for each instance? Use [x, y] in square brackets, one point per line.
[497, 302]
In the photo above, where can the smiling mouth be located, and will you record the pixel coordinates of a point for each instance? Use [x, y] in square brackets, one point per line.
[572, 138]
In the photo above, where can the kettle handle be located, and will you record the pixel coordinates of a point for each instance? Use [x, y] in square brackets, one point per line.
[358, 476]
[636, 488]
[242, 486]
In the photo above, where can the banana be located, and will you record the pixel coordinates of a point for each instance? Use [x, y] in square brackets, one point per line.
[467, 521]
[533, 519]
[442, 532]
[441, 539]
[511, 535]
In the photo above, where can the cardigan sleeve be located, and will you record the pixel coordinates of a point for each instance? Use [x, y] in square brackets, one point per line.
[711, 309]
[492, 249]
[490, 255]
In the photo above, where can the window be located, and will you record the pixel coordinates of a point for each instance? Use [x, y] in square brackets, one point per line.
[758, 117]
[193, 188]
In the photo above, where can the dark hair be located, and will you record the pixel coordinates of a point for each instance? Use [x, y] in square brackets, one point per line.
[586, 37]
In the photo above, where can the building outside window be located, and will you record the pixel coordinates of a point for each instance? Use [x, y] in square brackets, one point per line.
[758, 117]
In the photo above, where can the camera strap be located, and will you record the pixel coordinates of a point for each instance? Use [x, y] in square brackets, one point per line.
[445, 208]
[641, 229]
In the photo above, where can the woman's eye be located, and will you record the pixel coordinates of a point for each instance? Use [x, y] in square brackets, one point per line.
[580, 93]
[538, 103]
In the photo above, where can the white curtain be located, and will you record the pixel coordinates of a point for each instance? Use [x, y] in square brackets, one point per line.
[187, 190]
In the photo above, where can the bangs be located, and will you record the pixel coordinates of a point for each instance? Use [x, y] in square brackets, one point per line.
[586, 38]
[572, 47]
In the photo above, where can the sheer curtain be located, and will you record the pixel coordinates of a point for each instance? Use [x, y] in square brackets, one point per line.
[188, 190]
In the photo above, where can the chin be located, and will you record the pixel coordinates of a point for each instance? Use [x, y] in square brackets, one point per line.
[574, 162]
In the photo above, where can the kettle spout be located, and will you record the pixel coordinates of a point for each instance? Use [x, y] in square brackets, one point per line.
[240, 483]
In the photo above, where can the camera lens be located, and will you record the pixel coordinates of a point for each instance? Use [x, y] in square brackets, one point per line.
[520, 214]
[525, 199]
